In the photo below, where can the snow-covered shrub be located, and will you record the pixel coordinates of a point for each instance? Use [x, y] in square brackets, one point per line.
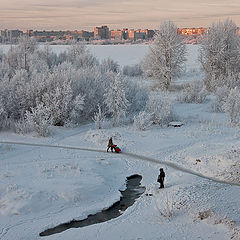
[50, 58]
[99, 118]
[194, 92]
[1, 56]
[219, 55]
[109, 65]
[30, 76]
[19, 57]
[232, 106]
[142, 121]
[221, 98]
[39, 119]
[39, 62]
[165, 206]
[3, 117]
[23, 127]
[97, 136]
[136, 95]
[205, 214]
[115, 100]
[167, 55]
[160, 106]
[92, 84]
[76, 109]
[14, 94]
[80, 56]
[61, 102]
[71, 85]
[133, 71]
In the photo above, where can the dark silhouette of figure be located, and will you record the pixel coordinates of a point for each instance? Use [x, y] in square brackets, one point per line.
[110, 144]
[161, 177]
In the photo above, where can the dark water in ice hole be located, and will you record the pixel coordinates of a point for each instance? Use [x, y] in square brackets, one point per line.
[133, 191]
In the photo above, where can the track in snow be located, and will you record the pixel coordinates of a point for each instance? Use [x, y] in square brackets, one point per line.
[136, 156]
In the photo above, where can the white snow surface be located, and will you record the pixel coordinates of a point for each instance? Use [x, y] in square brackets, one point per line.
[123, 54]
[41, 187]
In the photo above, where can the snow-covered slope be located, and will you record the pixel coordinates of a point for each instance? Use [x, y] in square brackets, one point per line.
[41, 187]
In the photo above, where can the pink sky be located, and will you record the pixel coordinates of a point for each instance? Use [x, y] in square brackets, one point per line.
[85, 14]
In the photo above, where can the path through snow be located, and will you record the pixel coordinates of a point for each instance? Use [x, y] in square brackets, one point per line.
[170, 164]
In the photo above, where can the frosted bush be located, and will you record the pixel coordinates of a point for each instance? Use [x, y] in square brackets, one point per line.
[142, 121]
[232, 106]
[116, 101]
[194, 92]
[39, 119]
[80, 56]
[136, 95]
[64, 101]
[221, 98]
[99, 118]
[109, 65]
[76, 108]
[60, 103]
[98, 136]
[92, 84]
[71, 85]
[160, 107]
[133, 71]
[15, 93]
[165, 206]
[23, 127]
[3, 117]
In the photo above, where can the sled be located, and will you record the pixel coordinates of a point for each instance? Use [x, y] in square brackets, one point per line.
[117, 149]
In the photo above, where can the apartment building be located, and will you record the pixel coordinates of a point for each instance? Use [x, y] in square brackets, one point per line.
[101, 32]
[10, 36]
[48, 36]
[191, 31]
[117, 34]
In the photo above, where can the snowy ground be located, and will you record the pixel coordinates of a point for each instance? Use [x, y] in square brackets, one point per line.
[42, 187]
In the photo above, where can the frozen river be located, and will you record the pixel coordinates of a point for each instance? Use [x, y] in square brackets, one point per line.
[123, 54]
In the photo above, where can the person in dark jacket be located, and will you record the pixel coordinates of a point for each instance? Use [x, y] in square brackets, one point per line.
[110, 144]
[161, 177]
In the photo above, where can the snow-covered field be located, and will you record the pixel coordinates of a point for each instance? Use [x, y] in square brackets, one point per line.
[42, 187]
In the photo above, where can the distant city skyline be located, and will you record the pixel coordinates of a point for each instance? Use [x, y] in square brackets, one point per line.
[85, 14]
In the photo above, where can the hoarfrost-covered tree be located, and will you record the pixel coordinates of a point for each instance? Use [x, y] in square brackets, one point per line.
[109, 65]
[221, 94]
[19, 57]
[142, 121]
[115, 99]
[3, 116]
[220, 55]
[99, 118]
[39, 119]
[80, 56]
[232, 106]
[160, 107]
[167, 55]
[26, 46]
[14, 94]
[68, 86]
[194, 92]
[92, 84]
[61, 103]
[136, 95]
[133, 70]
